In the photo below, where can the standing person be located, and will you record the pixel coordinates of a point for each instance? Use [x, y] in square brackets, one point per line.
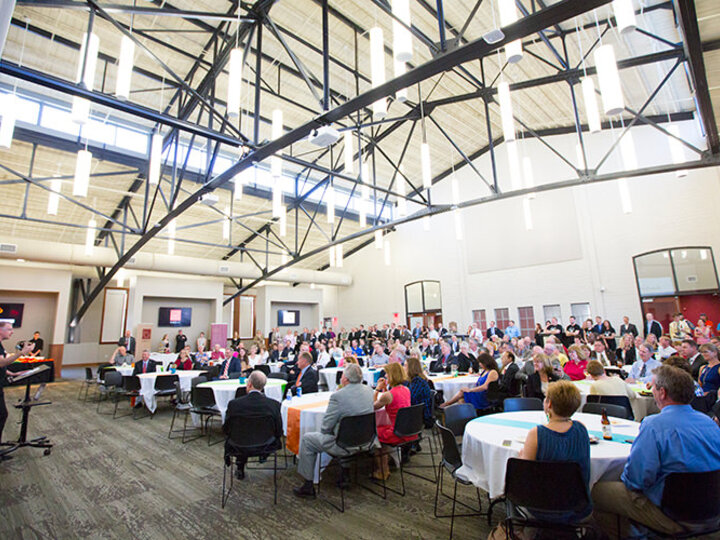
[702, 333]
[201, 342]
[180, 341]
[628, 328]
[652, 326]
[38, 344]
[164, 346]
[128, 342]
[6, 332]
[608, 336]
[572, 331]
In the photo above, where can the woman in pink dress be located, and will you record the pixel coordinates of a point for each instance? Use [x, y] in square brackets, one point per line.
[392, 395]
[702, 333]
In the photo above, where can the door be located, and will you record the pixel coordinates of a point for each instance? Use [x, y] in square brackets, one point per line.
[662, 308]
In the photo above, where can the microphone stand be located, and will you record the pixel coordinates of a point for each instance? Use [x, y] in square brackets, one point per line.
[39, 442]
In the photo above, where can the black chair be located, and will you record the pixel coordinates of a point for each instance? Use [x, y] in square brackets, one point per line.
[409, 423]
[612, 410]
[522, 404]
[130, 389]
[495, 397]
[704, 404]
[451, 462]
[182, 406]
[213, 372]
[101, 372]
[262, 367]
[235, 374]
[197, 380]
[557, 487]
[202, 403]
[457, 416]
[692, 500]
[283, 376]
[113, 381]
[253, 436]
[622, 401]
[89, 381]
[356, 435]
[338, 378]
[241, 391]
[165, 386]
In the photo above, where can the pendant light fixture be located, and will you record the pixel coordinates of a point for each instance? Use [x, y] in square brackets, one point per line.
[378, 239]
[90, 236]
[171, 238]
[627, 150]
[277, 202]
[277, 131]
[282, 221]
[54, 197]
[528, 176]
[591, 105]
[400, 69]
[506, 111]
[377, 70]
[330, 204]
[402, 39]
[238, 186]
[609, 79]
[9, 115]
[527, 213]
[624, 15]
[676, 150]
[387, 252]
[81, 106]
[156, 144]
[349, 153]
[81, 182]
[625, 200]
[331, 256]
[339, 256]
[234, 90]
[364, 195]
[125, 68]
[508, 15]
[426, 165]
[226, 224]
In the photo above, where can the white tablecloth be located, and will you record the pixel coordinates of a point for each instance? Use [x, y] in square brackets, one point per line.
[485, 457]
[452, 385]
[163, 358]
[224, 391]
[274, 366]
[329, 376]
[147, 384]
[125, 371]
[641, 405]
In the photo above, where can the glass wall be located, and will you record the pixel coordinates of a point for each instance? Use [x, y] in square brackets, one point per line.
[678, 270]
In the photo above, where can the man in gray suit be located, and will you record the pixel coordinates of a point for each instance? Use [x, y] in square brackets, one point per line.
[354, 398]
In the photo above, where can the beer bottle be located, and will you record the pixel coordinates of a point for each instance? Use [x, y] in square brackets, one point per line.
[606, 429]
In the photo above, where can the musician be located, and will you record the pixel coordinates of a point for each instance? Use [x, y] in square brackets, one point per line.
[6, 332]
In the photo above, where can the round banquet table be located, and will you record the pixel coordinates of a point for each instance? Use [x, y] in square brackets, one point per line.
[451, 385]
[485, 457]
[163, 358]
[329, 376]
[274, 366]
[224, 391]
[641, 405]
[124, 370]
[147, 384]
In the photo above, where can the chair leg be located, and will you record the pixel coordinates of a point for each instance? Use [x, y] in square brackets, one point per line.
[275, 477]
[438, 486]
[452, 514]
[172, 423]
[226, 496]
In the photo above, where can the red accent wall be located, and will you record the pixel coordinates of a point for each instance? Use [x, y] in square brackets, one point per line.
[692, 306]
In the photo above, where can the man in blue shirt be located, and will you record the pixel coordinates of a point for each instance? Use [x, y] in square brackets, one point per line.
[642, 368]
[512, 331]
[679, 439]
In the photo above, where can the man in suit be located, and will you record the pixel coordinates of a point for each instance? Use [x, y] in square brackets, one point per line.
[454, 344]
[417, 331]
[145, 365]
[628, 328]
[598, 328]
[180, 340]
[305, 336]
[689, 351]
[354, 398]
[601, 355]
[230, 365]
[254, 403]
[303, 375]
[439, 365]
[128, 342]
[493, 331]
[507, 383]
[652, 326]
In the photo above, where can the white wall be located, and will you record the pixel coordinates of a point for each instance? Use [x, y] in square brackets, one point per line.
[202, 312]
[268, 298]
[501, 265]
[39, 311]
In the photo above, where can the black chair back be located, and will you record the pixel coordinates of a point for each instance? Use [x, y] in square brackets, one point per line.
[356, 431]
[213, 372]
[283, 376]
[522, 404]
[262, 367]
[612, 410]
[197, 380]
[331, 363]
[494, 395]
[113, 378]
[248, 432]
[89, 374]
[234, 374]
[692, 497]
[556, 487]
[131, 383]
[338, 377]
[622, 401]
[451, 457]
[409, 421]
[165, 383]
[103, 371]
[202, 397]
[240, 392]
[457, 416]
[179, 394]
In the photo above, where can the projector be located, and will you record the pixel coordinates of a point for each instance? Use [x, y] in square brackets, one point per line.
[324, 136]
[210, 199]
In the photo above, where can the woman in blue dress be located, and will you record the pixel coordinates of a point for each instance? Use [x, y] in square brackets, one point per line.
[709, 377]
[477, 395]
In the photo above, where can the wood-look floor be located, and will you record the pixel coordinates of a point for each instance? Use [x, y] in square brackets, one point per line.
[125, 479]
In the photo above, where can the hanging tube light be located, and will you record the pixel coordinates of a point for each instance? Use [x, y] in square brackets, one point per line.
[283, 222]
[331, 256]
[277, 202]
[625, 200]
[627, 150]
[508, 15]
[677, 151]
[506, 111]
[402, 39]
[54, 197]
[338, 256]
[624, 15]
[591, 105]
[90, 236]
[81, 106]
[426, 165]
[277, 131]
[234, 90]
[156, 144]
[171, 238]
[401, 202]
[364, 195]
[400, 95]
[125, 68]
[81, 182]
[609, 79]
[330, 204]
[377, 70]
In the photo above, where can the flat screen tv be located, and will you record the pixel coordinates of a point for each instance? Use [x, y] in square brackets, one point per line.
[175, 316]
[288, 317]
[12, 313]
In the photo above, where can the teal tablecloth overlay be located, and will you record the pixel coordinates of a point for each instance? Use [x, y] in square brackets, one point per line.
[508, 422]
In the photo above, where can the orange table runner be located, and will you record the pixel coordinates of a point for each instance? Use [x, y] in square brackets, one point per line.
[292, 439]
[448, 377]
[32, 360]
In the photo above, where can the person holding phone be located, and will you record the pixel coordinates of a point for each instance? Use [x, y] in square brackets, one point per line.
[6, 332]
